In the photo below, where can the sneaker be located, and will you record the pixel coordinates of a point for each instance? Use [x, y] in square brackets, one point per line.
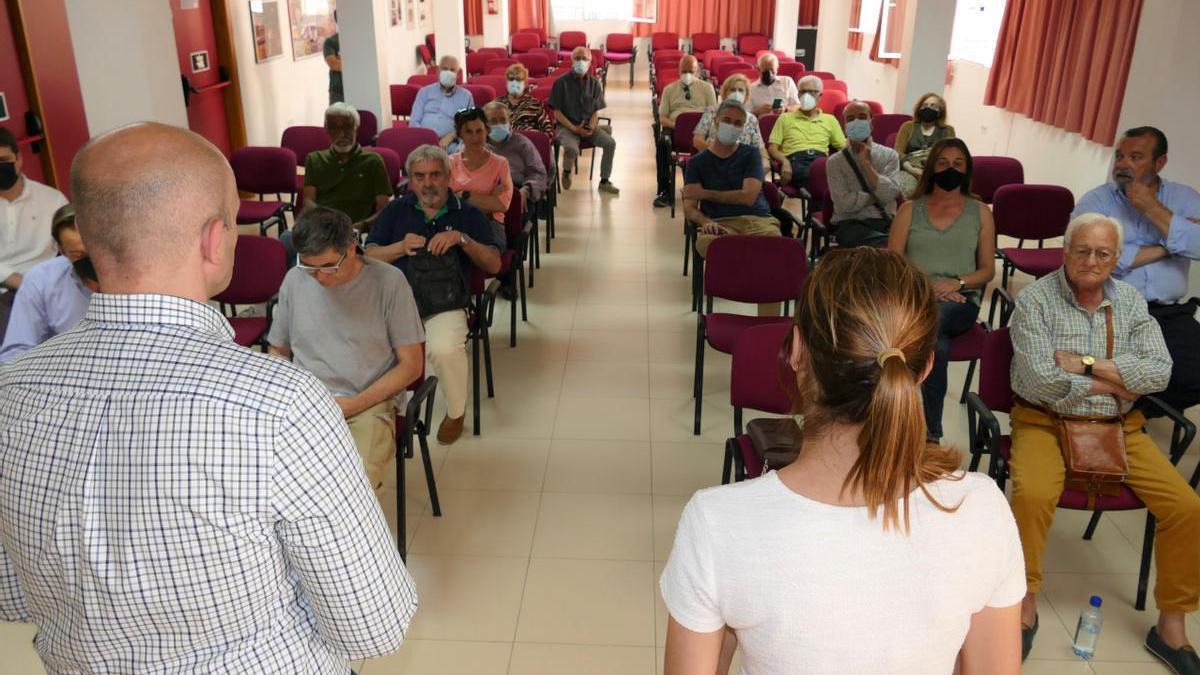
[1027, 635]
[450, 429]
[607, 186]
[1182, 661]
[566, 179]
[660, 201]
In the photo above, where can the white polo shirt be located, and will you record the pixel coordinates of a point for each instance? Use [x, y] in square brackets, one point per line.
[25, 227]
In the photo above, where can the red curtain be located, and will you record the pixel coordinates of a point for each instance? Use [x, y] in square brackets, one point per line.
[810, 11]
[855, 40]
[711, 16]
[472, 17]
[528, 14]
[1065, 63]
[895, 33]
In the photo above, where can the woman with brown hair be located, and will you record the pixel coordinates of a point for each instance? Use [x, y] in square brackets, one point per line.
[917, 136]
[872, 552]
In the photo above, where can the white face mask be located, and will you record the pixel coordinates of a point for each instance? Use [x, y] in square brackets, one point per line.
[737, 95]
[516, 87]
[687, 78]
[808, 102]
[447, 78]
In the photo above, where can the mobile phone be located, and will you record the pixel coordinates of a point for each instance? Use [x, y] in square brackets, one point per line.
[777, 103]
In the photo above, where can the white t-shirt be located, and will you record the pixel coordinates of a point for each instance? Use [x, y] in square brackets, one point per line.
[816, 588]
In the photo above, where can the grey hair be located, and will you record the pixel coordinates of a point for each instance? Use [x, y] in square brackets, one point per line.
[769, 57]
[811, 79]
[448, 57]
[340, 109]
[493, 106]
[860, 102]
[427, 153]
[729, 104]
[320, 228]
[1085, 219]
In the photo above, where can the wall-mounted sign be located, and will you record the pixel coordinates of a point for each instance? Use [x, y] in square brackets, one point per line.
[199, 61]
[189, 4]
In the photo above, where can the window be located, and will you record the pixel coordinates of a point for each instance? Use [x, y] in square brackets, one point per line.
[976, 29]
[868, 17]
[891, 27]
[590, 10]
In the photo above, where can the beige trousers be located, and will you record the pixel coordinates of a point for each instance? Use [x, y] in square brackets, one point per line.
[445, 342]
[374, 432]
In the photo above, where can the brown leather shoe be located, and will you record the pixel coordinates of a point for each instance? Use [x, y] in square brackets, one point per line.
[450, 429]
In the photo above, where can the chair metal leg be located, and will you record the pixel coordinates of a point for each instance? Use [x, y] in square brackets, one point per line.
[521, 279]
[967, 383]
[512, 319]
[401, 535]
[671, 186]
[429, 482]
[1091, 526]
[737, 421]
[592, 168]
[1144, 572]
[698, 387]
[487, 362]
[727, 465]
[475, 367]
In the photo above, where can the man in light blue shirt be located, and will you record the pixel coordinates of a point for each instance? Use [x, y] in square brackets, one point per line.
[55, 293]
[436, 103]
[1161, 220]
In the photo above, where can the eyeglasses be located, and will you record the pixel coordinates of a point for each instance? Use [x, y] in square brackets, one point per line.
[1103, 255]
[327, 269]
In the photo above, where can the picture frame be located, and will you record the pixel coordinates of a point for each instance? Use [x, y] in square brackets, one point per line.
[265, 31]
[200, 62]
[311, 22]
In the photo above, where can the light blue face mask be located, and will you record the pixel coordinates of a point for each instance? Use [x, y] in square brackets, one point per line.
[580, 67]
[499, 132]
[728, 134]
[447, 78]
[858, 130]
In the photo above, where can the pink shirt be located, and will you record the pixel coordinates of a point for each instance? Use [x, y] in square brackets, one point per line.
[492, 178]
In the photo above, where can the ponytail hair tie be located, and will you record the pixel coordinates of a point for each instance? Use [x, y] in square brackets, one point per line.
[889, 353]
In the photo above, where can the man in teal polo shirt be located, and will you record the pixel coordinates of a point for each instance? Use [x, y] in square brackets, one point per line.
[345, 177]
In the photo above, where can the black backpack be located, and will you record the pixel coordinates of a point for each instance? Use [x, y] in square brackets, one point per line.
[437, 282]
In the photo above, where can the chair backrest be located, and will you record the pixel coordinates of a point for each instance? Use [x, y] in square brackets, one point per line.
[598, 60]
[480, 93]
[542, 91]
[665, 53]
[712, 54]
[875, 107]
[431, 42]
[664, 40]
[514, 218]
[756, 374]
[498, 83]
[685, 127]
[264, 170]
[303, 140]
[495, 52]
[542, 141]
[783, 57]
[818, 183]
[523, 41]
[890, 141]
[886, 124]
[425, 54]
[752, 43]
[259, 265]
[835, 85]
[995, 364]
[703, 42]
[403, 140]
[713, 64]
[403, 96]
[537, 64]
[823, 74]
[368, 127]
[497, 66]
[730, 67]
[766, 124]
[477, 62]
[779, 263]
[990, 172]
[551, 54]
[570, 39]
[830, 98]
[792, 69]
[421, 80]
[772, 195]
[391, 161]
[619, 43]
[663, 64]
[1035, 212]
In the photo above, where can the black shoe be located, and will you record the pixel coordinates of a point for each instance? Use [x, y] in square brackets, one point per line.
[508, 293]
[1027, 639]
[661, 201]
[1182, 661]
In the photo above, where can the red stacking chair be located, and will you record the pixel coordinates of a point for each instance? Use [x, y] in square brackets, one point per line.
[259, 265]
[543, 37]
[755, 382]
[989, 173]
[823, 74]
[301, 141]
[537, 64]
[619, 50]
[663, 40]
[415, 422]
[393, 164]
[497, 66]
[703, 43]
[481, 94]
[426, 55]
[479, 323]
[714, 64]
[550, 53]
[477, 62]
[421, 80]
[779, 267]
[830, 99]
[524, 40]
[541, 90]
[498, 83]
[495, 52]
[728, 68]
[544, 208]
[886, 124]
[599, 65]
[836, 85]
[682, 146]
[403, 97]
[783, 57]
[667, 76]
[996, 396]
[512, 261]
[1037, 212]
[368, 127]
[431, 42]
[792, 69]
[568, 40]
[265, 171]
[403, 140]
[752, 43]
[712, 54]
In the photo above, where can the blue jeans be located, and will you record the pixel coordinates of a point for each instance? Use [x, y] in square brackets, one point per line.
[954, 318]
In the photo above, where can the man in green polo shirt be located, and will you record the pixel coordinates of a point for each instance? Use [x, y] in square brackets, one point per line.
[345, 177]
[800, 137]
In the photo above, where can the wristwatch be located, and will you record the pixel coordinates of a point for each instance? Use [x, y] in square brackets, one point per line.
[962, 283]
[463, 239]
[1088, 362]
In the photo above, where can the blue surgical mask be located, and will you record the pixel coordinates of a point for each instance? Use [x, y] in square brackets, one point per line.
[499, 132]
[447, 78]
[858, 130]
[516, 87]
[580, 67]
[728, 134]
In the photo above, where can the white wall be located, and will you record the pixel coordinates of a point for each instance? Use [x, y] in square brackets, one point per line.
[127, 63]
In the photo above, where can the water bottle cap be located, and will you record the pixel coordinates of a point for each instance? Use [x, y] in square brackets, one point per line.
[1096, 601]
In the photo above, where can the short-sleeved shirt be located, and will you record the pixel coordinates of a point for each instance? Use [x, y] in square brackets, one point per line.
[577, 98]
[348, 335]
[715, 173]
[797, 131]
[802, 582]
[675, 98]
[333, 47]
[404, 216]
[351, 186]
[434, 107]
[493, 178]
[783, 88]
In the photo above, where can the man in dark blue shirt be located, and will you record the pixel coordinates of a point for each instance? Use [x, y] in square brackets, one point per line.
[430, 218]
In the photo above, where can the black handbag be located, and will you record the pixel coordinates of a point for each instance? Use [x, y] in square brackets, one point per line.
[437, 283]
[776, 440]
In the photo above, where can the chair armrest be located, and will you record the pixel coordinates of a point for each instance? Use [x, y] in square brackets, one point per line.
[412, 412]
[1002, 299]
[1183, 432]
[984, 432]
[805, 194]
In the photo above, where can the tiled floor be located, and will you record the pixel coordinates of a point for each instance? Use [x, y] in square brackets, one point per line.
[558, 519]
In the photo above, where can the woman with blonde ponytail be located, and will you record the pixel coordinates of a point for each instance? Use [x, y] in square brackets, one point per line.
[873, 552]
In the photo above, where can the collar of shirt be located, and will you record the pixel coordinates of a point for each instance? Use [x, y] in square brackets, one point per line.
[26, 193]
[453, 203]
[155, 309]
[1068, 295]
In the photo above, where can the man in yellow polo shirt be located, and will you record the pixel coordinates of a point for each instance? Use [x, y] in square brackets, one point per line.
[800, 137]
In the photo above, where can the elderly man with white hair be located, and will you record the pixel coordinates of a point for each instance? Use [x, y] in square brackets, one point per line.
[436, 103]
[772, 93]
[345, 177]
[1086, 347]
[801, 137]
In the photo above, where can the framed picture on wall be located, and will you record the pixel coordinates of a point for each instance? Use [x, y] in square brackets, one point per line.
[264, 29]
[311, 22]
[410, 14]
[395, 10]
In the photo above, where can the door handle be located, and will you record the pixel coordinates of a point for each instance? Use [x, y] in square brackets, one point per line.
[34, 127]
[188, 89]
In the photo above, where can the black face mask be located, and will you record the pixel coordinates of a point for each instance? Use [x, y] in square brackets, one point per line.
[928, 114]
[768, 77]
[949, 179]
[8, 175]
[84, 269]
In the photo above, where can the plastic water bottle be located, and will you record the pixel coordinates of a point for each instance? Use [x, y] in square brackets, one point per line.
[1087, 633]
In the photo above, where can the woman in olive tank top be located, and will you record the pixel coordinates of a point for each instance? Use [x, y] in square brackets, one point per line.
[950, 235]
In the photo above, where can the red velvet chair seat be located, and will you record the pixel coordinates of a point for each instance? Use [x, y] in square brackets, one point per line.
[969, 345]
[723, 330]
[253, 211]
[248, 330]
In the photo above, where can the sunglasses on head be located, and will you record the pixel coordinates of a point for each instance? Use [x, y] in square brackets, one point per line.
[468, 114]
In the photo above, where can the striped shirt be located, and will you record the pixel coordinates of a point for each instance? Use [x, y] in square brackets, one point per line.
[1047, 318]
[171, 502]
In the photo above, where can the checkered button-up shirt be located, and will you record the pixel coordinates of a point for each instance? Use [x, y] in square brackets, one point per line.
[1047, 319]
[171, 502]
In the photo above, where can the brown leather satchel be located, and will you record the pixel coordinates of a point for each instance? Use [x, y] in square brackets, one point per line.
[777, 441]
[1094, 448]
